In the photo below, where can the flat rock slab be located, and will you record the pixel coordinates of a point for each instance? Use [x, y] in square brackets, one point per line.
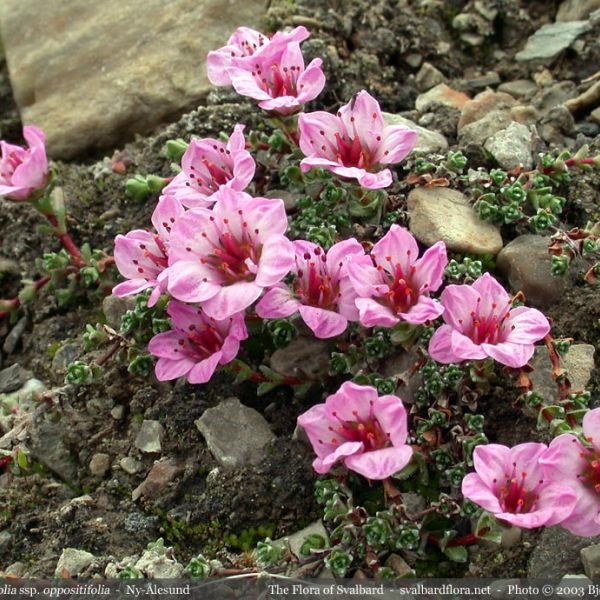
[428, 141]
[91, 74]
[235, 434]
[551, 39]
[443, 214]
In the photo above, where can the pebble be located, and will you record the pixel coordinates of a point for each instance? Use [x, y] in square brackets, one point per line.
[72, 562]
[159, 566]
[235, 434]
[520, 88]
[441, 94]
[161, 474]
[550, 40]
[524, 114]
[64, 356]
[23, 398]
[296, 540]
[303, 357]
[478, 132]
[429, 142]
[576, 10]
[399, 566]
[477, 84]
[117, 412]
[114, 308]
[6, 540]
[9, 267]
[595, 115]
[47, 446]
[483, 104]
[130, 465]
[443, 214]
[12, 378]
[511, 147]
[428, 77]
[99, 464]
[149, 437]
[527, 264]
[14, 336]
[590, 557]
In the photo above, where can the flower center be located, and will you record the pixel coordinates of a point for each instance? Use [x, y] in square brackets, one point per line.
[591, 474]
[514, 496]
[487, 329]
[201, 343]
[367, 431]
[157, 257]
[314, 285]
[209, 175]
[278, 81]
[401, 294]
[235, 253]
[8, 166]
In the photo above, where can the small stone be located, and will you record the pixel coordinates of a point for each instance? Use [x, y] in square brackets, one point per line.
[303, 357]
[590, 557]
[413, 502]
[511, 537]
[428, 77]
[14, 336]
[441, 94]
[149, 437]
[520, 88]
[159, 566]
[9, 267]
[296, 540]
[6, 539]
[524, 114]
[48, 447]
[595, 115]
[483, 104]
[573, 586]
[543, 78]
[130, 465]
[550, 40]
[12, 378]
[428, 142]
[413, 60]
[99, 464]
[114, 308]
[117, 412]
[527, 264]
[23, 398]
[398, 565]
[15, 570]
[511, 147]
[478, 132]
[72, 562]
[554, 96]
[443, 214]
[576, 10]
[161, 474]
[64, 356]
[484, 81]
[235, 434]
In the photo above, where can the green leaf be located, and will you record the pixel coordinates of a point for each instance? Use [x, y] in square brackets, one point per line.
[457, 554]
[266, 387]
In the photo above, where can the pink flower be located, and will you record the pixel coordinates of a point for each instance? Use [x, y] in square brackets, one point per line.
[394, 285]
[578, 466]
[142, 256]
[225, 257]
[355, 143]
[481, 323]
[196, 345]
[208, 165]
[511, 484]
[365, 431]
[321, 291]
[278, 79]
[23, 170]
[243, 47]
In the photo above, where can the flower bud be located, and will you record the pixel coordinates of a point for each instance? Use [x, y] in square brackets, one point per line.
[175, 149]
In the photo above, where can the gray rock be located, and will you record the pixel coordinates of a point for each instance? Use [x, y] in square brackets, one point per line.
[440, 94]
[520, 88]
[478, 132]
[9, 267]
[158, 565]
[86, 93]
[296, 540]
[6, 540]
[117, 412]
[428, 77]
[64, 356]
[527, 264]
[556, 553]
[73, 562]
[12, 378]
[429, 142]
[149, 437]
[511, 147]
[482, 82]
[23, 398]
[576, 10]
[590, 557]
[399, 565]
[47, 446]
[551, 39]
[99, 464]
[578, 362]
[303, 357]
[161, 474]
[572, 586]
[130, 465]
[443, 214]
[14, 336]
[595, 115]
[114, 308]
[235, 434]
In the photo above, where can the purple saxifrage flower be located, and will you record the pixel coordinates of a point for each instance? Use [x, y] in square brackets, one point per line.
[480, 323]
[196, 345]
[243, 47]
[23, 170]
[321, 291]
[207, 165]
[356, 426]
[142, 256]
[578, 466]
[224, 258]
[394, 285]
[355, 143]
[512, 484]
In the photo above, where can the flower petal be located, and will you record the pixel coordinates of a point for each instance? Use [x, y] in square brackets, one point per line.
[323, 323]
[380, 464]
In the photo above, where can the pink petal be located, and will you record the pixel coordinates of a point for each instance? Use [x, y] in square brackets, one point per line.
[343, 252]
[559, 501]
[464, 347]
[509, 354]
[584, 520]
[591, 427]
[276, 261]
[192, 282]
[245, 85]
[166, 345]
[311, 82]
[323, 465]
[380, 464]
[217, 63]
[167, 368]
[526, 325]
[398, 142]
[399, 246]
[440, 346]
[310, 126]
[323, 323]
[346, 303]
[491, 292]
[373, 314]
[167, 212]
[133, 286]
[362, 117]
[201, 372]
[315, 423]
[350, 402]
[365, 278]
[430, 268]
[231, 299]
[491, 462]
[424, 310]
[459, 301]
[277, 303]
[476, 490]
[563, 458]
[391, 414]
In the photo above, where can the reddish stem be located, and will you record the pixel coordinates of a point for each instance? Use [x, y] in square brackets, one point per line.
[68, 244]
[14, 303]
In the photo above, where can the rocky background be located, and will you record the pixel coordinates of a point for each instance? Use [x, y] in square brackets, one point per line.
[126, 461]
